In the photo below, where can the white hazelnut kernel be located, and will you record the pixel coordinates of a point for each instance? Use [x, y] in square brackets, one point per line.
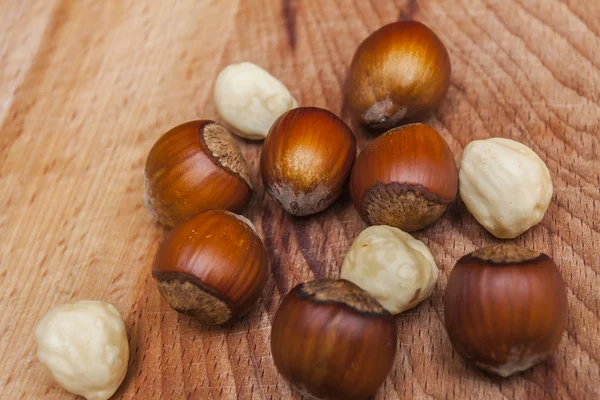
[84, 346]
[505, 185]
[395, 268]
[249, 99]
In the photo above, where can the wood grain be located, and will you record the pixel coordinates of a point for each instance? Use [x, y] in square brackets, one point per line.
[88, 86]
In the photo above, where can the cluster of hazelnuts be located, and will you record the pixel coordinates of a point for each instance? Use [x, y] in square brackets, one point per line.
[505, 306]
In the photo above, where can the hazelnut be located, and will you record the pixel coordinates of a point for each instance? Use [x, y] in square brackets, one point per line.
[249, 99]
[400, 71]
[331, 340]
[505, 186]
[84, 346]
[405, 178]
[505, 308]
[194, 167]
[395, 268]
[306, 159]
[212, 266]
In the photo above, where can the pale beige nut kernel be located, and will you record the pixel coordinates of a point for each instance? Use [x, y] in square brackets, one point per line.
[505, 185]
[395, 268]
[249, 99]
[84, 346]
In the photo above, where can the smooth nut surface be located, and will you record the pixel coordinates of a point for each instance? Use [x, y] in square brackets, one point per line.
[332, 340]
[306, 159]
[400, 71]
[505, 185]
[212, 266]
[84, 346]
[505, 308]
[405, 178]
[395, 268]
[194, 167]
[249, 99]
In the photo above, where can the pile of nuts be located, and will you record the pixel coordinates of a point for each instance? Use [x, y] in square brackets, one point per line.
[505, 306]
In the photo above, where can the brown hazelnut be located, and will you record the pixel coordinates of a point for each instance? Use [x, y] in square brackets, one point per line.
[332, 340]
[306, 159]
[213, 267]
[400, 71]
[194, 167]
[405, 178]
[505, 308]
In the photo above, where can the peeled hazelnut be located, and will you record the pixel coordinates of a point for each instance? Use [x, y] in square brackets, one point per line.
[401, 71]
[194, 167]
[395, 268]
[331, 340]
[212, 266]
[405, 178]
[505, 308]
[306, 159]
[505, 185]
[249, 99]
[84, 346]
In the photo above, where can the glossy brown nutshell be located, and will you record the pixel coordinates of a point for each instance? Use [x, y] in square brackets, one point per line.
[194, 167]
[505, 308]
[306, 159]
[401, 71]
[212, 266]
[405, 178]
[331, 340]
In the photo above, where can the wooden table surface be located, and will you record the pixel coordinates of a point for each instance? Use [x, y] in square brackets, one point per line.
[86, 87]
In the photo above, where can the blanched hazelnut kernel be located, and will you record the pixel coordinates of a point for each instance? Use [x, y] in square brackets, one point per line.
[249, 99]
[84, 346]
[395, 268]
[505, 185]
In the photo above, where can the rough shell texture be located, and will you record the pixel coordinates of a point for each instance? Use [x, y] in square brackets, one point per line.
[306, 159]
[395, 268]
[212, 266]
[505, 185]
[405, 178]
[329, 349]
[400, 71]
[342, 292]
[195, 167]
[505, 308]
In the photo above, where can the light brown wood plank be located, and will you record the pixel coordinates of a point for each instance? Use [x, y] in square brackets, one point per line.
[87, 87]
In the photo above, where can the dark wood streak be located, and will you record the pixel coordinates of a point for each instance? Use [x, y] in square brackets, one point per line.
[308, 248]
[267, 222]
[409, 11]
[289, 15]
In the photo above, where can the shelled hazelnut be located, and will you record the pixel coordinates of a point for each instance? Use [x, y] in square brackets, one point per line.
[84, 346]
[505, 185]
[395, 268]
[249, 99]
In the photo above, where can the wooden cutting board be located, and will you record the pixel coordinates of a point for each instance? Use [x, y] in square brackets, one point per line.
[86, 87]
